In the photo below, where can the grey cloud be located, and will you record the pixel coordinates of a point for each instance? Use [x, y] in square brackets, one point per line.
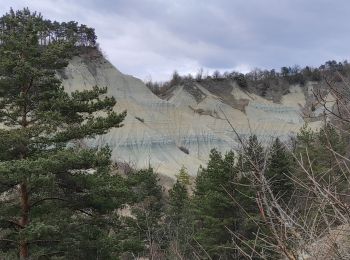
[155, 37]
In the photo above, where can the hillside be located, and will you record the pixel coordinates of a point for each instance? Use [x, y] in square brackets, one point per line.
[65, 110]
[183, 127]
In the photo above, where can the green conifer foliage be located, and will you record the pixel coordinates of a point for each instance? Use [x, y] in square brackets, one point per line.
[279, 171]
[251, 166]
[53, 195]
[214, 210]
[319, 152]
[179, 220]
[178, 197]
[183, 176]
[319, 164]
[148, 212]
[254, 157]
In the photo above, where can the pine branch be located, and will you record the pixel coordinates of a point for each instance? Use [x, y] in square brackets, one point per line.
[8, 240]
[45, 199]
[15, 223]
[64, 200]
[43, 241]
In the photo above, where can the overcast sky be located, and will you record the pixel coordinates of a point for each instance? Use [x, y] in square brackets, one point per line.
[152, 38]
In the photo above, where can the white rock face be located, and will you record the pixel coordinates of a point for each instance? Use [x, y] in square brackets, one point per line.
[159, 133]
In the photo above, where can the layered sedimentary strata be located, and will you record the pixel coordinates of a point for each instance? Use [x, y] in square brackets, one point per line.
[182, 130]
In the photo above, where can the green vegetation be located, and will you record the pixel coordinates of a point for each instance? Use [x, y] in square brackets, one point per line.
[47, 32]
[280, 171]
[58, 194]
[214, 211]
[266, 83]
[59, 200]
[179, 222]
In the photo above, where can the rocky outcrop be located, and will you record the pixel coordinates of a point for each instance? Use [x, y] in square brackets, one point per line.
[157, 132]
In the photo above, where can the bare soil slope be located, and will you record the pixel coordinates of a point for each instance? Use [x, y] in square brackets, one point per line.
[182, 130]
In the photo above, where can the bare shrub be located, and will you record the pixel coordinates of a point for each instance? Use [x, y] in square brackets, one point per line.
[315, 223]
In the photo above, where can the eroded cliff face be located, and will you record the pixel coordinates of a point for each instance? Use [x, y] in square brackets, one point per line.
[182, 130]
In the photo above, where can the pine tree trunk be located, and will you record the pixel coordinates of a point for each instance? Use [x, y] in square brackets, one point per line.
[23, 246]
[23, 189]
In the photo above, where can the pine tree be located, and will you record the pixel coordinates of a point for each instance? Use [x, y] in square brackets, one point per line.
[314, 149]
[279, 171]
[213, 209]
[148, 211]
[183, 176]
[319, 156]
[250, 166]
[254, 157]
[53, 194]
[177, 199]
[179, 220]
[330, 139]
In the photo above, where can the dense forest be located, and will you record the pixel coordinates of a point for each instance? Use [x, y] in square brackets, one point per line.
[60, 200]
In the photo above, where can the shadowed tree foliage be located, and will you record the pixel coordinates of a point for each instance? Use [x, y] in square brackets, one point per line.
[279, 171]
[179, 223]
[317, 151]
[252, 222]
[54, 195]
[148, 212]
[48, 32]
[214, 211]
